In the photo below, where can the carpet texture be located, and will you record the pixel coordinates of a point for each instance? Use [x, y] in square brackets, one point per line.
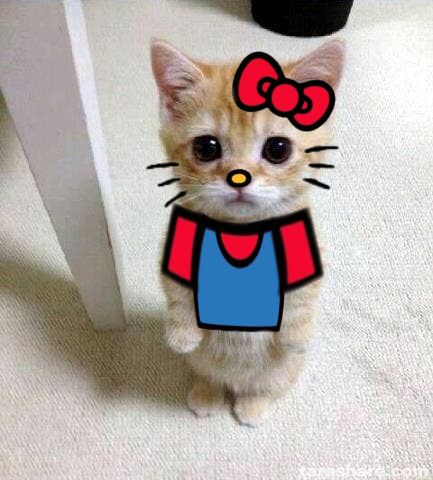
[76, 404]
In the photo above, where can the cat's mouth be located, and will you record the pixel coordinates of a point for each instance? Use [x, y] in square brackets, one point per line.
[241, 198]
[241, 201]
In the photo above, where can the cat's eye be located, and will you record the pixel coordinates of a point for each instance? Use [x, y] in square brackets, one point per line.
[277, 149]
[206, 148]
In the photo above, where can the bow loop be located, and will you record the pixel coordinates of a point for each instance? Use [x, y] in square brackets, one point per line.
[254, 77]
[260, 83]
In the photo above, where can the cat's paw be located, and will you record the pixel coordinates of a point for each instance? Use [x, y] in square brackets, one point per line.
[252, 411]
[183, 340]
[205, 399]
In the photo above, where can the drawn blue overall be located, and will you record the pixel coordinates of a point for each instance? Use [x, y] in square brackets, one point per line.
[232, 295]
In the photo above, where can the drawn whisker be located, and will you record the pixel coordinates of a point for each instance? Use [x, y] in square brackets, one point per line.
[321, 165]
[176, 197]
[315, 182]
[319, 148]
[168, 182]
[162, 165]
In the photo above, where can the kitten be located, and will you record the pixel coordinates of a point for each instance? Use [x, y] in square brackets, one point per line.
[208, 135]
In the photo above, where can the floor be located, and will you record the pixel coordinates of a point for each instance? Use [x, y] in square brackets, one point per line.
[78, 404]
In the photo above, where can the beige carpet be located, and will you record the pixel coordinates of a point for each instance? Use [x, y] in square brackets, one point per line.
[75, 404]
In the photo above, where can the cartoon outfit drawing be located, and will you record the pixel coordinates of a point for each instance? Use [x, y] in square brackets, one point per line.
[239, 272]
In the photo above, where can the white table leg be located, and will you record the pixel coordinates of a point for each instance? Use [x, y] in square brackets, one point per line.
[47, 80]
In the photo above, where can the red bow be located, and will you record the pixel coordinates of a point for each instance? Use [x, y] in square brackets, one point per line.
[259, 82]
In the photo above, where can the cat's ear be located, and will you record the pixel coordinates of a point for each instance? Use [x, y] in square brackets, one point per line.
[176, 76]
[325, 63]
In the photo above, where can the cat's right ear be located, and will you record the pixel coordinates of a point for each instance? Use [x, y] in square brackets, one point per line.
[176, 76]
[325, 63]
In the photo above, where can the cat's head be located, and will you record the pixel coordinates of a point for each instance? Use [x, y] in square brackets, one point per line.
[208, 135]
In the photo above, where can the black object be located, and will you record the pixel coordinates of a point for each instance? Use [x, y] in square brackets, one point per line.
[301, 18]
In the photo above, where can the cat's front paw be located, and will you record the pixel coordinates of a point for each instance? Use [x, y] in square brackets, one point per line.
[183, 339]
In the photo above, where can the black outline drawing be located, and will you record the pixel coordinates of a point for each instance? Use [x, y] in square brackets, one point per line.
[168, 182]
[232, 173]
[274, 82]
[271, 225]
[319, 148]
[176, 197]
[162, 165]
[321, 165]
[316, 183]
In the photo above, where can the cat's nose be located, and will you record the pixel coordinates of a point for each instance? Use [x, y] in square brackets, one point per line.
[238, 178]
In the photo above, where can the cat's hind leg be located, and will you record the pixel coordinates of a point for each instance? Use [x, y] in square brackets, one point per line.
[252, 409]
[253, 403]
[205, 398]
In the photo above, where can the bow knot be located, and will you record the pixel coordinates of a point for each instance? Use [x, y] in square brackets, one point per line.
[260, 83]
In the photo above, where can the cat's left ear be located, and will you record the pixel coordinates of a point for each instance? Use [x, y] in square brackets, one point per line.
[176, 76]
[325, 63]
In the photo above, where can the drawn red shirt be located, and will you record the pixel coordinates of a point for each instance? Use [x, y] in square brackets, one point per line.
[294, 241]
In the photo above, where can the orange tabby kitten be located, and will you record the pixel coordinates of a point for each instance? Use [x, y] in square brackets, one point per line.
[208, 135]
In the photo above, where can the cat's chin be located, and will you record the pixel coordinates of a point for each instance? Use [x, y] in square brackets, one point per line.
[244, 210]
[241, 209]
[236, 212]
